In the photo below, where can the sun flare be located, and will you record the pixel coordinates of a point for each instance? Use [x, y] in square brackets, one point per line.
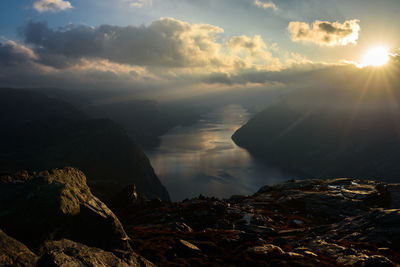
[376, 57]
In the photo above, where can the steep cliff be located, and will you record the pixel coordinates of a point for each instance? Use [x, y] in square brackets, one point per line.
[40, 133]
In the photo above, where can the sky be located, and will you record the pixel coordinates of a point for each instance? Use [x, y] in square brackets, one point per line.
[188, 44]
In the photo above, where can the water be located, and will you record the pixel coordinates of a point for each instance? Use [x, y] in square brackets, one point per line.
[202, 159]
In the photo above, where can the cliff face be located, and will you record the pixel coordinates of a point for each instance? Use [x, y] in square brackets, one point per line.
[328, 133]
[40, 133]
[60, 222]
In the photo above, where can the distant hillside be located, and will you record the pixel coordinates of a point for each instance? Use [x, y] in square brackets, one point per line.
[144, 120]
[341, 132]
[39, 133]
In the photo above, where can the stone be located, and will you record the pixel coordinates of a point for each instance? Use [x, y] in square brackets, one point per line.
[58, 204]
[15, 254]
[186, 249]
[66, 253]
[266, 250]
[180, 227]
[364, 260]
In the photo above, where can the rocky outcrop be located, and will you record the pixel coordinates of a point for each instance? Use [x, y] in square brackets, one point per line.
[332, 199]
[15, 254]
[57, 204]
[334, 222]
[379, 226]
[66, 253]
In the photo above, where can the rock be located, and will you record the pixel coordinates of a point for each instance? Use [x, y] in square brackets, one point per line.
[186, 249]
[329, 249]
[14, 253]
[331, 200]
[180, 227]
[310, 254]
[366, 261]
[380, 226]
[266, 250]
[127, 197]
[65, 253]
[281, 227]
[259, 219]
[58, 204]
[294, 255]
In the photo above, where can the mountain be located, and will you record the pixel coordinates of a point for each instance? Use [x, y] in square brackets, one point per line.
[146, 116]
[144, 120]
[333, 132]
[40, 133]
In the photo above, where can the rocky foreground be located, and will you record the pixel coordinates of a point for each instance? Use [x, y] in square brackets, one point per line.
[52, 219]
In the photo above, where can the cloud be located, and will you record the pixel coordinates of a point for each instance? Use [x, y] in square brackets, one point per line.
[166, 43]
[12, 53]
[265, 5]
[167, 53]
[139, 3]
[52, 5]
[325, 33]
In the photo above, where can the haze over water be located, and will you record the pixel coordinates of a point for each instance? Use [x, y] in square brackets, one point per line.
[202, 159]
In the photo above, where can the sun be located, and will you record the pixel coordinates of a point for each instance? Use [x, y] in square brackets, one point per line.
[376, 57]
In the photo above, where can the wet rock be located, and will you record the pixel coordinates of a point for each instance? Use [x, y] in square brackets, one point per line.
[14, 253]
[58, 204]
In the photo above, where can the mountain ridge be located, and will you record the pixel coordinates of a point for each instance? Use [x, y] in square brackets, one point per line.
[41, 133]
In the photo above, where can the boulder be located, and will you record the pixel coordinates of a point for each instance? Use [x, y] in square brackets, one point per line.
[66, 253]
[184, 249]
[266, 250]
[14, 253]
[57, 204]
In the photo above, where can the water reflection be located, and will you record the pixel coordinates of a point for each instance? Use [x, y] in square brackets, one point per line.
[202, 159]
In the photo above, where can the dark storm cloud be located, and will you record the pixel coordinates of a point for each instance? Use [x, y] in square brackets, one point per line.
[12, 54]
[164, 43]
